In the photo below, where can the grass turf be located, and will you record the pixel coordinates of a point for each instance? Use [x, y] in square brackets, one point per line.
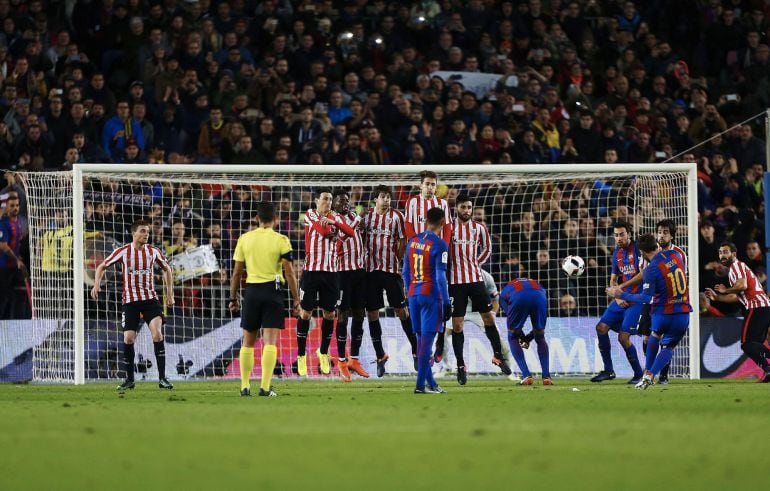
[378, 435]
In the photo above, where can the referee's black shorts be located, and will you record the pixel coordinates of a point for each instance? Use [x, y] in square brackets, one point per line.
[478, 294]
[393, 286]
[263, 306]
[645, 321]
[135, 312]
[755, 325]
[352, 289]
[319, 288]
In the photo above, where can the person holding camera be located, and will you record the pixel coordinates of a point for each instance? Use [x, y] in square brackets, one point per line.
[425, 280]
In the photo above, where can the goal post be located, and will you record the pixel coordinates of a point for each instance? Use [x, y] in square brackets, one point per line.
[529, 209]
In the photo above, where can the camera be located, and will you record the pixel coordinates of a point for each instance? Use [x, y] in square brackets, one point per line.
[731, 97]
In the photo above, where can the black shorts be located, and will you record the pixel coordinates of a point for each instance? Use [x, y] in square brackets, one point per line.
[262, 307]
[478, 294]
[352, 289]
[391, 284]
[319, 289]
[645, 321]
[755, 325]
[135, 312]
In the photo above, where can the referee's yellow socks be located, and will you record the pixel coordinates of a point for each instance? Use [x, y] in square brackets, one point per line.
[246, 360]
[269, 357]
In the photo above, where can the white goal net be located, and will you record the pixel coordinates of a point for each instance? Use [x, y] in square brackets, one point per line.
[537, 215]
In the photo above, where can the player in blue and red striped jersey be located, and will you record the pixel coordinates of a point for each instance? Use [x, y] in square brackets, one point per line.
[665, 234]
[665, 287]
[621, 316]
[522, 298]
[425, 262]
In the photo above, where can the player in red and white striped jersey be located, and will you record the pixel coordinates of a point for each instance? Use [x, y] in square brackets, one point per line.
[138, 260]
[416, 222]
[470, 248]
[319, 285]
[746, 289]
[385, 242]
[417, 208]
[350, 265]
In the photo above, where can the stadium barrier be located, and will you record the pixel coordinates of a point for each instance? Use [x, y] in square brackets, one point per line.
[210, 348]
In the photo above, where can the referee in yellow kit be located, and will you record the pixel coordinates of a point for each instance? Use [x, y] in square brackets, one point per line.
[266, 256]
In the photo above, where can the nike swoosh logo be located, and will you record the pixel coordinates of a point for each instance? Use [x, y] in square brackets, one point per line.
[717, 359]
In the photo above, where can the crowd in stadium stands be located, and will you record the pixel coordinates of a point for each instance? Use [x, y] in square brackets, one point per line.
[362, 82]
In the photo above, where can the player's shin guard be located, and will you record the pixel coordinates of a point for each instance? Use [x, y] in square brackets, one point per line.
[518, 354]
[246, 363]
[756, 352]
[651, 353]
[356, 336]
[375, 330]
[606, 351]
[342, 337]
[303, 326]
[633, 360]
[128, 360]
[269, 357]
[327, 331]
[494, 339]
[424, 374]
[406, 325]
[160, 357]
[458, 343]
[542, 354]
[663, 358]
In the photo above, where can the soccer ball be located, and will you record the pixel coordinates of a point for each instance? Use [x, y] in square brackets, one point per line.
[573, 265]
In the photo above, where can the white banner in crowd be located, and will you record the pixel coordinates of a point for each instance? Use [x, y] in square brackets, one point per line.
[479, 83]
[194, 262]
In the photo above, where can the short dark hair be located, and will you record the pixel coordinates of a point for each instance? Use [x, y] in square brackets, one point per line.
[623, 224]
[266, 211]
[668, 224]
[434, 216]
[729, 245]
[462, 198]
[427, 173]
[339, 192]
[320, 191]
[139, 223]
[647, 243]
[382, 189]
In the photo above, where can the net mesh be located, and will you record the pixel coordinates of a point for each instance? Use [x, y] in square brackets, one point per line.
[535, 220]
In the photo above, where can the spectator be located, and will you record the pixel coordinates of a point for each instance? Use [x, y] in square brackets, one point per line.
[119, 129]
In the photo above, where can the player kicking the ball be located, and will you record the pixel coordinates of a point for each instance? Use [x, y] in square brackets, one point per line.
[665, 288]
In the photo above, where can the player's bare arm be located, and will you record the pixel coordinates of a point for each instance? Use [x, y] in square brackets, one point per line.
[168, 284]
[288, 273]
[721, 297]
[97, 288]
[737, 287]
[235, 284]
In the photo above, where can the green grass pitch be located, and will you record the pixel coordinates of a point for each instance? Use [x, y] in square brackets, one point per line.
[372, 435]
